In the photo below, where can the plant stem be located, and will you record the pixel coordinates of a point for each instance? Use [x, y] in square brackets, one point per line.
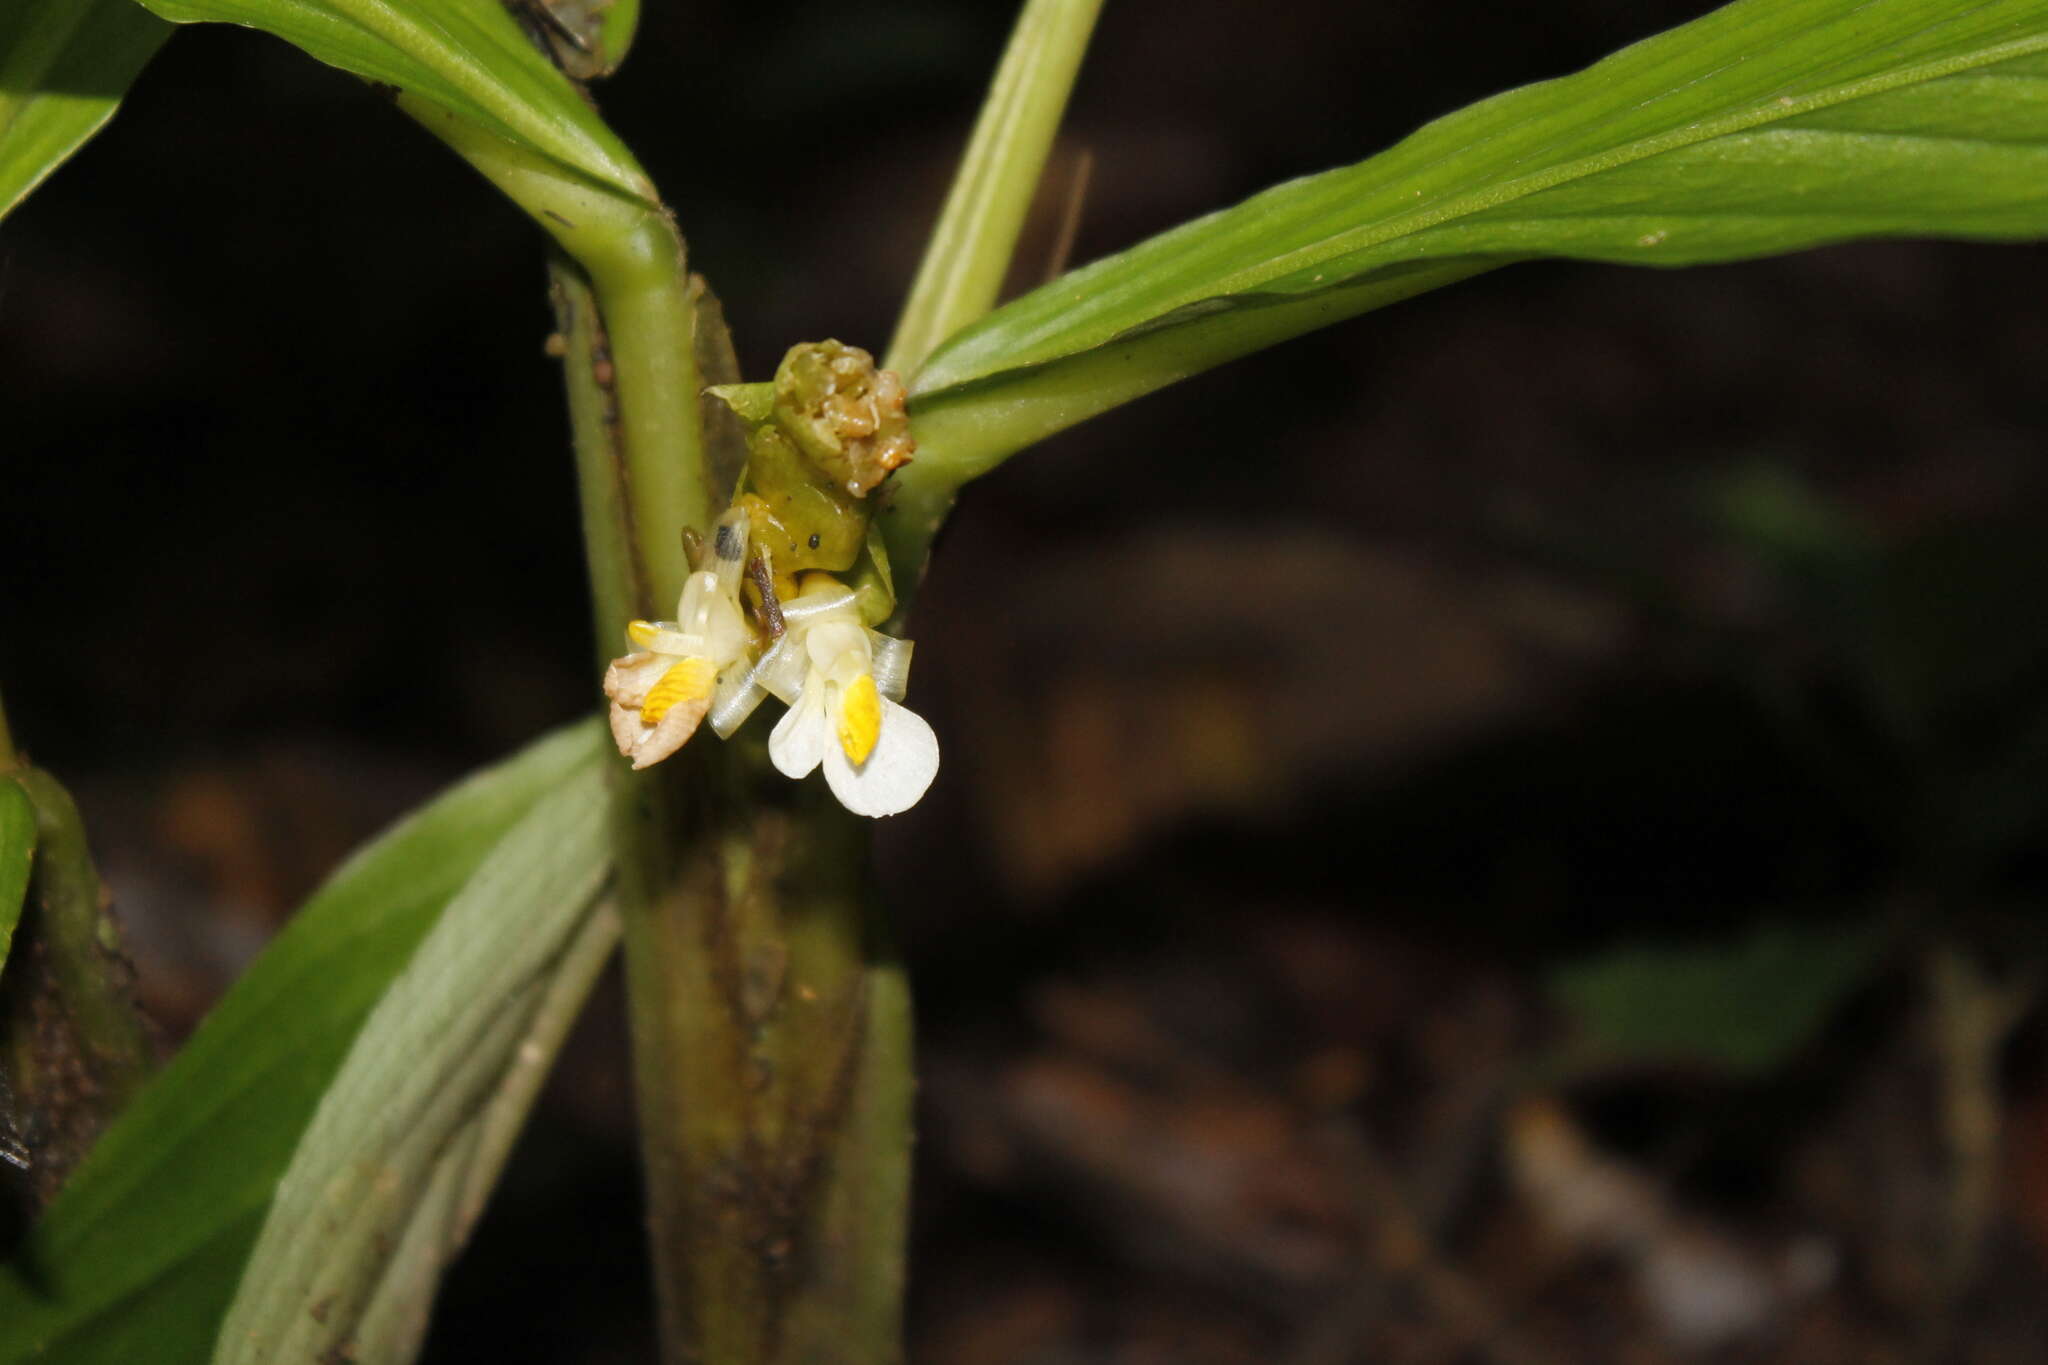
[631, 259]
[775, 1080]
[77, 1049]
[770, 1029]
[8, 759]
[85, 943]
[970, 249]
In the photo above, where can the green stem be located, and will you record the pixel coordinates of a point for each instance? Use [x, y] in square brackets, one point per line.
[770, 1027]
[84, 943]
[631, 259]
[77, 1049]
[970, 249]
[770, 1030]
[618, 586]
[772, 1051]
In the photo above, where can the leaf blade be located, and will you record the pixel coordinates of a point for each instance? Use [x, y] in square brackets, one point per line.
[154, 1213]
[64, 66]
[1719, 140]
[468, 56]
[373, 1188]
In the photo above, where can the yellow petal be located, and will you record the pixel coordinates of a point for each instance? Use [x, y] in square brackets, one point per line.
[689, 680]
[860, 719]
[640, 633]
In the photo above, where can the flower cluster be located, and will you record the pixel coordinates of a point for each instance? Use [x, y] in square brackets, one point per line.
[842, 682]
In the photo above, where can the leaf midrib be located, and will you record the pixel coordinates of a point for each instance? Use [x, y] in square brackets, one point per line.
[1506, 192]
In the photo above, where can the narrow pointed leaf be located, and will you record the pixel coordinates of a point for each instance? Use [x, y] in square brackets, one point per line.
[467, 56]
[373, 1203]
[1767, 126]
[138, 1257]
[64, 65]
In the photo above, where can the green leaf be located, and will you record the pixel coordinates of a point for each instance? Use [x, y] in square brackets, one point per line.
[1745, 1005]
[64, 65]
[387, 1179]
[138, 1256]
[469, 57]
[1767, 126]
[17, 854]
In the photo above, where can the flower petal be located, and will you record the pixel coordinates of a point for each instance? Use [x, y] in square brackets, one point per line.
[627, 731]
[738, 694]
[678, 723]
[627, 680]
[781, 670]
[897, 773]
[687, 681]
[802, 737]
[891, 664]
[666, 637]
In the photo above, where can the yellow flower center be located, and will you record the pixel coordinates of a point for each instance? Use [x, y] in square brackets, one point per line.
[860, 719]
[689, 680]
[640, 633]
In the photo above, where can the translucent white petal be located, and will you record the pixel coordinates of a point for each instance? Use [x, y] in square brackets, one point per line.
[820, 601]
[668, 638]
[782, 669]
[897, 773]
[729, 550]
[693, 608]
[737, 695]
[891, 664]
[802, 737]
[838, 644]
[726, 636]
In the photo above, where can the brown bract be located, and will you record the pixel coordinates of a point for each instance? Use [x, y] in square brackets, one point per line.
[852, 418]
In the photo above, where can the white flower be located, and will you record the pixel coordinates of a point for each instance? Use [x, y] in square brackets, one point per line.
[842, 682]
[678, 668]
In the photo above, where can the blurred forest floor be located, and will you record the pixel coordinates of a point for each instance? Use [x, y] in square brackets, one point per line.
[1509, 831]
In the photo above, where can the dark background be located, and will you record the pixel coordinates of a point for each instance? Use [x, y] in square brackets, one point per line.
[1298, 722]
